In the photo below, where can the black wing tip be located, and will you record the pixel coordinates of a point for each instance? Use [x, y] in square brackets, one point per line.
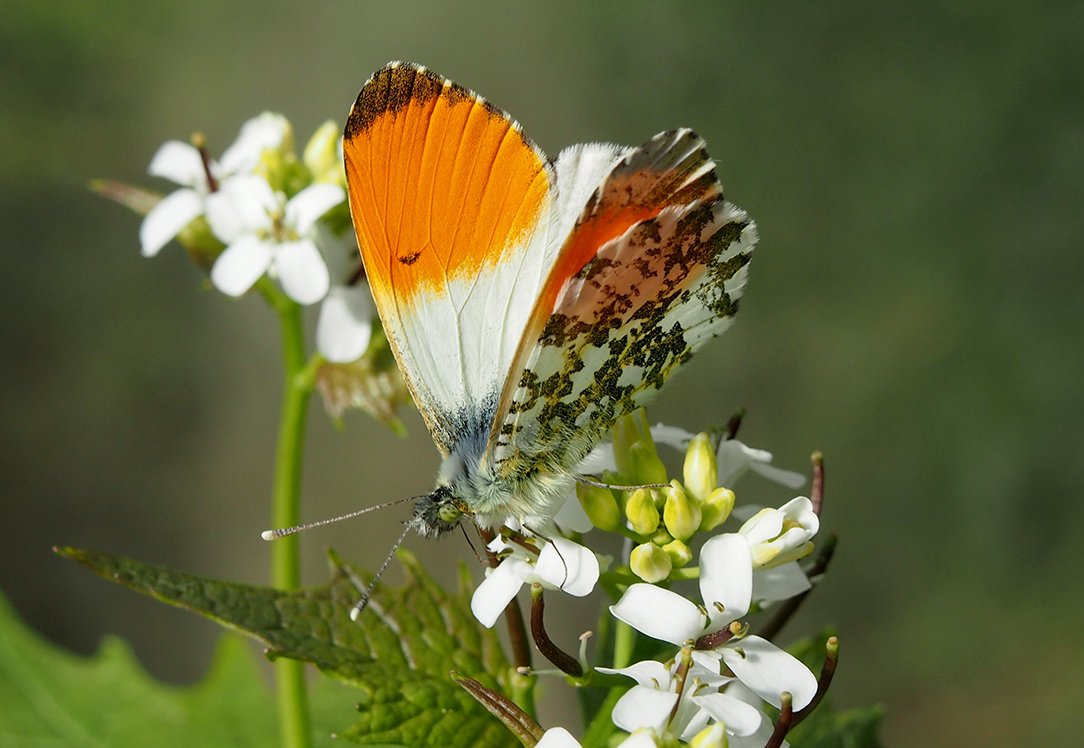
[390, 89]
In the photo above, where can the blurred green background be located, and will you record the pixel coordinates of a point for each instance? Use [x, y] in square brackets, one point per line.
[915, 308]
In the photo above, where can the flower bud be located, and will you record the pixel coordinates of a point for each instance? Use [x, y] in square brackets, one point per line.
[641, 512]
[700, 467]
[661, 537]
[650, 563]
[712, 736]
[644, 464]
[600, 506]
[679, 553]
[716, 508]
[322, 154]
[681, 514]
[628, 430]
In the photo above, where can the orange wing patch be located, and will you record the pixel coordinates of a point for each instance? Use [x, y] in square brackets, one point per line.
[441, 182]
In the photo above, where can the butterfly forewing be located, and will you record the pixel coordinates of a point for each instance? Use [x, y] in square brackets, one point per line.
[653, 268]
[451, 204]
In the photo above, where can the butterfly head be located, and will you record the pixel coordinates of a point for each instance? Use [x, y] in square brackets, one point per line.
[437, 513]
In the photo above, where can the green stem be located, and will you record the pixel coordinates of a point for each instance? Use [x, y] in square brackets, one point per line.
[294, 724]
[624, 643]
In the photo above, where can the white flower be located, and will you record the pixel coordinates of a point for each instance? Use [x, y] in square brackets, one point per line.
[560, 564]
[779, 536]
[649, 704]
[182, 164]
[733, 458]
[266, 233]
[726, 586]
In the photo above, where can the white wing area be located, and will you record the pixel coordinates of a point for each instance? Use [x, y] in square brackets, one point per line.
[459, 344]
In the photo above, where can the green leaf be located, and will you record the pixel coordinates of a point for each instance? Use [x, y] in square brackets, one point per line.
[51, 697]
[825, 728]
[399, 653]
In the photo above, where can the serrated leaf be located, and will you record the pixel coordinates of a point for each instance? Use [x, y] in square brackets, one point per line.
[399, 652]
[51, 697]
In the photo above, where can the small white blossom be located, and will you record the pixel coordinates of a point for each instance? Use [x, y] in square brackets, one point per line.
[182, 164]
[560, 564]
[650, 703]
[265, 233]
[726, 587]
[778, 536]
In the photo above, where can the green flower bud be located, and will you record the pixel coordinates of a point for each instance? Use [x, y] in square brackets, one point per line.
[600, 506]
[661, 537]
[679, 553]
[716, 508]
[641, 512]
[650, 563]
[322, 154]
[681, 514]
[701, 474]
[644, 464]
[627, 431]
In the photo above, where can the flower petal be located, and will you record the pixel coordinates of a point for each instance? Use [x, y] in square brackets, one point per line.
[726, 578]
[768, 671]
[179, 162]
[241, 265]
[266, 130]
[763, 526]
[571, 517]
[569, 566]
[312, 202]
[787, 478]
[660, 614]
[642, 707]
[740, 718]
[302, 271]
[242, 205]
[167, 219]
[495, 592]
[598, 460]
[779, 583]
[671, 436]
[345, 325]
[557, 737]
[648, 673]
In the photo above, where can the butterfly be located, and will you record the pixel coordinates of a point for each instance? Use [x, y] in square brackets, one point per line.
[530, 302]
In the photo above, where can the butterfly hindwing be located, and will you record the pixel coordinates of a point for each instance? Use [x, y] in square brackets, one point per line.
[452, 207]
[653, 268]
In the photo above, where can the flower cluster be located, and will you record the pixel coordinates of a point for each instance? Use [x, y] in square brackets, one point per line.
[274, 214]
[712, 677]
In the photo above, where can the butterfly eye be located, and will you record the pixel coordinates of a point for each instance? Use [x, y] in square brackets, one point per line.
[449, 512]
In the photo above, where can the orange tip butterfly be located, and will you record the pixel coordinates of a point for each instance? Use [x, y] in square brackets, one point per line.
[530, 302]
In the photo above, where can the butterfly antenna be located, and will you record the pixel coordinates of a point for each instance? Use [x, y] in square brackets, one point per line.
[360, 605]
[466, 536]
[285, 531]
[599, 484]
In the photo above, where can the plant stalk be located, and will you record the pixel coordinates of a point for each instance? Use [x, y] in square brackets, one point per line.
[295, 727]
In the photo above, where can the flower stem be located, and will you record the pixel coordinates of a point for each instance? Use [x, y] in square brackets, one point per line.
[294, 724]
